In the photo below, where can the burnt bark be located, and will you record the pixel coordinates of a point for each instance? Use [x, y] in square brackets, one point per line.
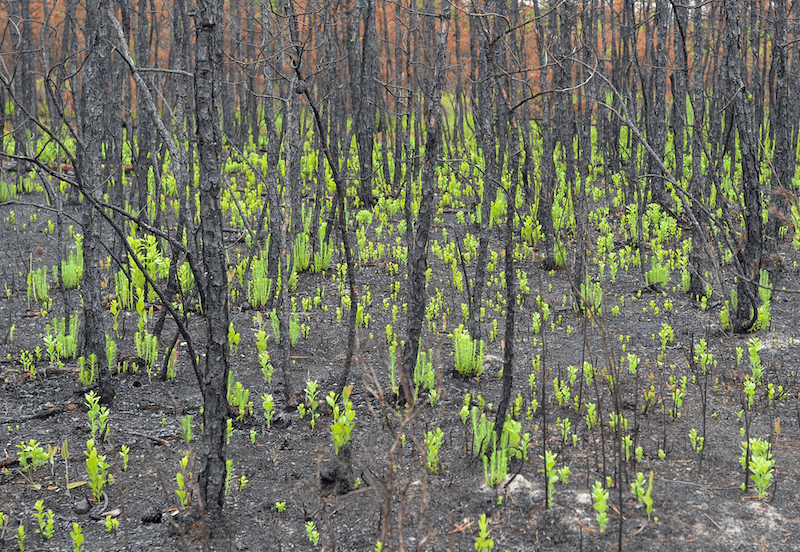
[418, 249]
[750, 251]
[213, 281]
[89, 171]
[783, 160]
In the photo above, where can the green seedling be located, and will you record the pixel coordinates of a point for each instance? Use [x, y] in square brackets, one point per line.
[280, 506]
[65, 456]
[312, 533]
[564, 425]
[77, 538]
[627, 443]
[228, 475]
[343, 418]
[233, 339]
[550, 475]
[761, 464]
[268, 403]
[112, 524]
[600, 499]
[32, 456]
[433, 440]
[181, 480]
[124, 452]
[484, 543]
[96, 469]
[20, 536]
[45, 520]
[638, 489]
[648, 501]
[696, 440]
[186, 429]
[98, 416]
[311, 404]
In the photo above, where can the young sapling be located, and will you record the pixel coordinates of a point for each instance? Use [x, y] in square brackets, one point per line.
[600, 499]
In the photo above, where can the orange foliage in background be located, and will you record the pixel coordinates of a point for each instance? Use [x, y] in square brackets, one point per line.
[411, 21]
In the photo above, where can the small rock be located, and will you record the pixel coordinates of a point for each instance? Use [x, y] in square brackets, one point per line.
[81, 507]
[152, 514]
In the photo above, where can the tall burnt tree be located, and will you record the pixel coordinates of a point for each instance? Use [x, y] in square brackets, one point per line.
[23, 80]
[738, 97]
[783, 158]
[90, 174]
[213, 281]
[418, 249]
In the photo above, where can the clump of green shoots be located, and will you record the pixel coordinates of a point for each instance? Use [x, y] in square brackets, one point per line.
[145, 342]
[761, 464]
[261, 345]
[239, 397]
[343, 418]
[696, 440]
[38, 286]
[765, 294]
[658, 275]
[468, 353]
[186, 429]
[433, 440]
[425, 375]
[87, 373]
[311, 404]
[61, 339]
[259, 288]
[591, 297]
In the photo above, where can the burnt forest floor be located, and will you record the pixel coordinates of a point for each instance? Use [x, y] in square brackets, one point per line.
[698, 502]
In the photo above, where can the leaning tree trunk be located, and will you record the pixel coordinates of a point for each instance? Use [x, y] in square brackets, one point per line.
[214, 294]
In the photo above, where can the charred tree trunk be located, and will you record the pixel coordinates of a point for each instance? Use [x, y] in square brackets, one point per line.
[213, 282]
[418, 249]
[750, 251]
[783, 159]
[90, 162]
